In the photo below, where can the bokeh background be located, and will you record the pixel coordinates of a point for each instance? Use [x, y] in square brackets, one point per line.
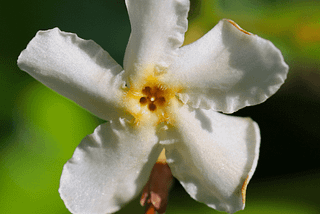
[40, 129]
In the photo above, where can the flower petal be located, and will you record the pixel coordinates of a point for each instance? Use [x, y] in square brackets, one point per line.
[158, 29]
[214, 157]
[109, 168]
[77, 69]
[228, 69]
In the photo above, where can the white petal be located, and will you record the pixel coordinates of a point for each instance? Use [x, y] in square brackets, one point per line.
[77, 69]
[109, 168]
[214, 157]
[228, 69]
[158, 29]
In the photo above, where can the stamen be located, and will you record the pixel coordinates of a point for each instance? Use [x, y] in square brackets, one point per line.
[146, 90]
[153, 96]
[161, 100]
[152, 107]
[143, 100]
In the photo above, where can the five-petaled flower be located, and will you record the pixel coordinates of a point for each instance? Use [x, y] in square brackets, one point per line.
[166, 97]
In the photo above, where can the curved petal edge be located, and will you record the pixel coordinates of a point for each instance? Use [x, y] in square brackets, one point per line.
[214, 157]
[109, 168]
[158, 29]
[228, 69]
[77, 69]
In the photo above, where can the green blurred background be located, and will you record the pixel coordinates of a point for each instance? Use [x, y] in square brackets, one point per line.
[40, 129]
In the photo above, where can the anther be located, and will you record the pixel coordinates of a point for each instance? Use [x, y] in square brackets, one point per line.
[161, 100]
[146, 90]
[152, 107]
[143, 100]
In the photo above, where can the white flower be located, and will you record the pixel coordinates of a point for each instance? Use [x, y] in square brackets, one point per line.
[165, 97]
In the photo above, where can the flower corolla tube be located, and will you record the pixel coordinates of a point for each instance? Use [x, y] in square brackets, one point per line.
[167, 97]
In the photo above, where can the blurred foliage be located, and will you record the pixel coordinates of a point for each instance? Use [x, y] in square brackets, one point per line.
[40, 129]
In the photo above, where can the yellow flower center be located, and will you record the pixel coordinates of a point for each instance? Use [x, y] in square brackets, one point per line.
[153, 97]
[149, 100]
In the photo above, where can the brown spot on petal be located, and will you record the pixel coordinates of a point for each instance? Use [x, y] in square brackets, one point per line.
[244, 189]
[238, 27]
